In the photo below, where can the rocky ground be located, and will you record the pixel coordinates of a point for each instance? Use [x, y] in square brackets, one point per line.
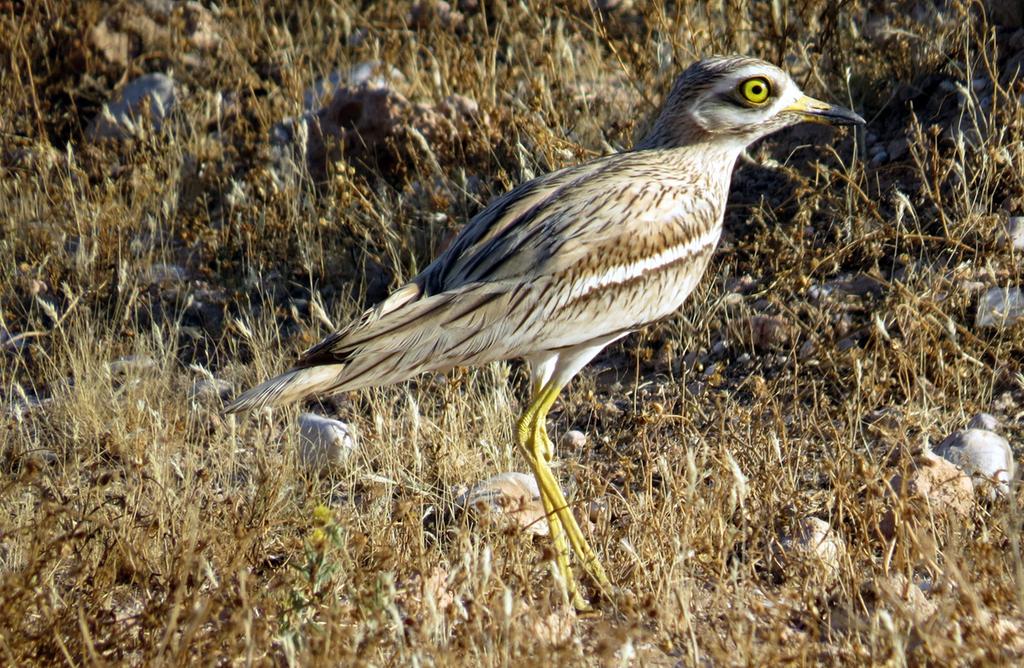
[813, 463]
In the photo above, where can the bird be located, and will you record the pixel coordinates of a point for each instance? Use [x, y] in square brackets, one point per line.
[561, 266]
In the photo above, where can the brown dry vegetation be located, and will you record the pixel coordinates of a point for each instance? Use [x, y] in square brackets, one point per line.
[834, 334]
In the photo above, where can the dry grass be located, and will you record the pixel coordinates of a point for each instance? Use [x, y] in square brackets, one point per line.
[137, 526]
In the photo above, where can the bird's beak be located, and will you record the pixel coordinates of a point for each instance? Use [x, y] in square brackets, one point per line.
[817, 111]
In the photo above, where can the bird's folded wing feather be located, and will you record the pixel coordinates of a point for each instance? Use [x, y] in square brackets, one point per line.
[489, 295]
[621, 205]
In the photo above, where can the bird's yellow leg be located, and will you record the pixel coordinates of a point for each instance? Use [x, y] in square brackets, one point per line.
[525, 434]
[562, 554]
[542, 453]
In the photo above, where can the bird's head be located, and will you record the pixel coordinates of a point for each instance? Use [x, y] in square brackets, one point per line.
[739, 99]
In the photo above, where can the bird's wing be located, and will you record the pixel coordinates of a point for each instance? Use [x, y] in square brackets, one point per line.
[517, 212]
[519, 275]
[516, 208]
[617, 210]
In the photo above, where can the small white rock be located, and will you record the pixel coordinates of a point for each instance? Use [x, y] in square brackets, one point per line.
[210, 390]
[161, 273]
[512, 496]
[574, 440]
[132, 365]
[1015, 232]
[555, 628]
[119, 119]
[320, 92]
[813, 544]
[932, 482]
[201, 27]
[324, 442]
[897, 592]
[371, 72]
[1000, 307]
[42, 457]
[982, 454]
[984, 421]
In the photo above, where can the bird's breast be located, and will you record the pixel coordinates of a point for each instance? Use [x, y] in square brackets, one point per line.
[647, 274]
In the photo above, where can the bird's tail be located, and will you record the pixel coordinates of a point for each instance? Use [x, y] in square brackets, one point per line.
[287, 388]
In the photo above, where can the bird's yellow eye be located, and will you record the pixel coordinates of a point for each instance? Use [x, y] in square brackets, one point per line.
[756, 90]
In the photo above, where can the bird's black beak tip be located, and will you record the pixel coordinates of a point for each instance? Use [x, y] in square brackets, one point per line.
[817, 111]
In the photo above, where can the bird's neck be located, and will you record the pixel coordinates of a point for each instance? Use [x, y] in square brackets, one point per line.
[714, 160]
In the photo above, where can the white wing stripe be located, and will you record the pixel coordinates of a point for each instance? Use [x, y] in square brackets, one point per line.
[626, 272]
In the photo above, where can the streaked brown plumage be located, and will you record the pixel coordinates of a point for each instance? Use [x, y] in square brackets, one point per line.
[563, 265]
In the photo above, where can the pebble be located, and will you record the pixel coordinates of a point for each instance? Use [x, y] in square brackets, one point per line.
[598, 510]
[210, 390]
[814, 544]
[1000, 307]
[161, 8]
[935, 482]
[741, 284]
[696, 388]
[359, 122]
[113, 44]
[556, 627]
[692, 361]
[846, 343]
[984, 421]
[984, 455]
[1014, 232]
[969, 127]
[201, 27]
[132, 365]
[119, 119]
[897, 148]
[324, 442]
[430, 591]
[574, 440]
[434, 13]
[42, 457]
[884, 418]
[163, 274]
[507, 497]
[613, 5]
[371, 72]
[897, 592]
[767, 332]
[1007, 633]
[858, 285]
[361, 117]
